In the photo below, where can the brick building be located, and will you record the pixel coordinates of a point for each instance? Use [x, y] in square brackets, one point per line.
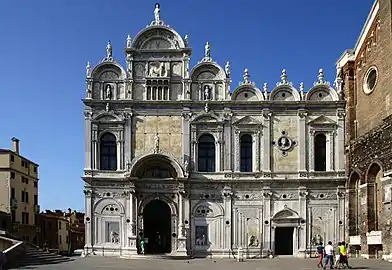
[365, 72]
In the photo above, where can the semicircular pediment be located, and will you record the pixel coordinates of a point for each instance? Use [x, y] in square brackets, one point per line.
[158, 37]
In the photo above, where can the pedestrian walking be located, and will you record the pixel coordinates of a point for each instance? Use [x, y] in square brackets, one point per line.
[142, 245]
[320, 255]
[343, 254]
[328, 255]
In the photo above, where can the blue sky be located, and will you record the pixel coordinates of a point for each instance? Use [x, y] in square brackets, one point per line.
[45, 45]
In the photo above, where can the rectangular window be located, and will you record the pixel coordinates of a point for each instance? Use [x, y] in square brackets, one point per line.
[35, 169]
[23, 196]
[12, 158]
[26, 197]
[25, 180]
[60, 238]
[59, 225]
[67, 239]
[35, 199]
[35, 184]
[12, 175]
[12, 193]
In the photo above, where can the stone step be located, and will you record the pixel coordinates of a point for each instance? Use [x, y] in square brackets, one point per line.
[157, 257]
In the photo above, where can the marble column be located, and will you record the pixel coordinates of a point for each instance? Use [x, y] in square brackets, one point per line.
[118, 155]
[330, 151]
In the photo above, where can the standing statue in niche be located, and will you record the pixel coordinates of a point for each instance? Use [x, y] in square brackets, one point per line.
[157, 13]
[88, 70]
[156, 144]
[207, 50]
[108, 92]
[207, 93]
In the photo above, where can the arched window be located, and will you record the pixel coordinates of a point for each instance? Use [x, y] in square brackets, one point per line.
[246, 153]
[206, 154]
[320, 153]
[108, 152]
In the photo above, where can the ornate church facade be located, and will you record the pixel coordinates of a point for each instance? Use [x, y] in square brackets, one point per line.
[177, 158]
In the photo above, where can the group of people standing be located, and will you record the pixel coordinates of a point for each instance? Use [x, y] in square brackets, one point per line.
[335, 257]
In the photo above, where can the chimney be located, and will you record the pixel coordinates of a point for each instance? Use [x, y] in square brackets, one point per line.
[69, 210]
[15, 145]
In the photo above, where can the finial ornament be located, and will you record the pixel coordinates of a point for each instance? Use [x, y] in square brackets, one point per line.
[246, 78]
[302, 90]
[320, 78]
[129, 42]
[265, 88]
[207, 50]
[283, 79]
[186, 41]
[88, 70]
[227, 69]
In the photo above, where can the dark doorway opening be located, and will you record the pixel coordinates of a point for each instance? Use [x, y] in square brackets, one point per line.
[157, 227]
[284, 240]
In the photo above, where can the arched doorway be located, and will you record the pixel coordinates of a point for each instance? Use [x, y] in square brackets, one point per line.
[157, 227]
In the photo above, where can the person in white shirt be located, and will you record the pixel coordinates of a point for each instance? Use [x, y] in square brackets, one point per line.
[329, 255]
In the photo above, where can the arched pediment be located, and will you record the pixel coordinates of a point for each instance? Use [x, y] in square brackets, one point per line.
[207, 209]
[285, 93]
[158, 37]
[156, 166]
[247, 93]
[286, 213]
[205, 118]
[322, 93]
[108, 71]
[205, 71]
[104, 205]
[107, 116]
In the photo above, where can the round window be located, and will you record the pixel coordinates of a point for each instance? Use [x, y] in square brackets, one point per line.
[370, 80]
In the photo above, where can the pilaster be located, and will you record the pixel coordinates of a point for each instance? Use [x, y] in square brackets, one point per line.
[256, 151]
[237, 150]
[185, 130]
[89, 229]
[341, 211]
[303, 203]
[311, 150]
[267, 114]
[95, 154]
[127, 139]
[267, 247]
[88, 140]
[339, 145]
[302, 145]
[227, 202]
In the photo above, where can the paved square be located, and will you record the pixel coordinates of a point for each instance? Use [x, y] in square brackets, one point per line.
[205, 264]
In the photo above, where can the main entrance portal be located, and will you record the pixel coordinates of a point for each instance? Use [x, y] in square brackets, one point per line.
[157, 227]
[284, 240]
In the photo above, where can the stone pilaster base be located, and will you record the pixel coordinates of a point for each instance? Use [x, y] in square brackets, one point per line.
[181, 250]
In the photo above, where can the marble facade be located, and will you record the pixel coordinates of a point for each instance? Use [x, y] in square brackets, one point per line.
[235, 168]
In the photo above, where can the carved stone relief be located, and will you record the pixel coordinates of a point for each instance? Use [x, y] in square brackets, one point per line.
[284, 143]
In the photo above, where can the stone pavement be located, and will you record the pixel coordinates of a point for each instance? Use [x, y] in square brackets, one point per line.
[198, 264]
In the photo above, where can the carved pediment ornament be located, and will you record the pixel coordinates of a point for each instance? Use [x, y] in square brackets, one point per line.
[322, 121]
[206, 118]
[247, 120]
